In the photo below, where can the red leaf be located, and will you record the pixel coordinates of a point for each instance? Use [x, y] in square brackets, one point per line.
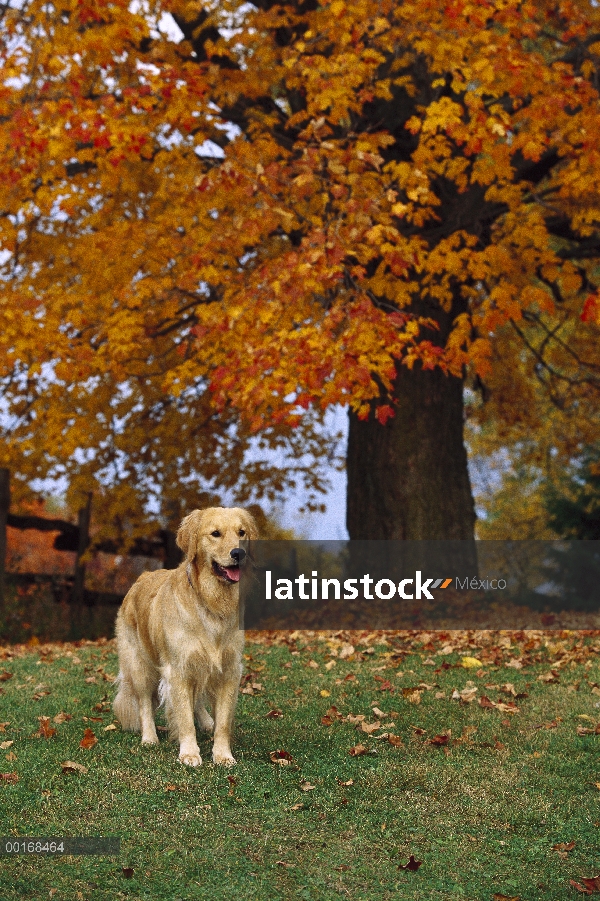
[439, 740]
[9, 777]
[89, 740]
[591, 309]
[384, 413]
[484, 701]
[283, 758]
[45, 730]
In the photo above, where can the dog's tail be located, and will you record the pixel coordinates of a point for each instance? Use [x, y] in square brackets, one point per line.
[126, 706]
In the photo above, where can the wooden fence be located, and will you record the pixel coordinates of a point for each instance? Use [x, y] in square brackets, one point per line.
[75, 538]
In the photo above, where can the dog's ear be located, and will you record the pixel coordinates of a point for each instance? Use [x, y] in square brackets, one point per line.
[187, 532]
[250, 526]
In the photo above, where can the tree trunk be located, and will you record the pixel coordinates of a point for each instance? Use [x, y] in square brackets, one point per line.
[408, 479]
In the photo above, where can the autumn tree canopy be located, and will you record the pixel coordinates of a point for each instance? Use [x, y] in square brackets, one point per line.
[220, 218]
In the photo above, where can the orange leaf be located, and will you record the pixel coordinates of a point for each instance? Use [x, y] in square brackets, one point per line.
[89, 740]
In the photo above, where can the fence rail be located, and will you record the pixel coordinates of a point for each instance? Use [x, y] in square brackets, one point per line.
[75, 538]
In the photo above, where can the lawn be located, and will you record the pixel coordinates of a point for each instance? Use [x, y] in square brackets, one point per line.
[475, 754]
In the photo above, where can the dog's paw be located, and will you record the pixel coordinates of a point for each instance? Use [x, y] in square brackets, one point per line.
[149, 739]
[190, 759]
[224, 759]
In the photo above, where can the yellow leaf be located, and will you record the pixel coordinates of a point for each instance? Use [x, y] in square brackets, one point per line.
[470, 662]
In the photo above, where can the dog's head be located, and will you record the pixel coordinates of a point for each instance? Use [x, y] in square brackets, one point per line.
[217, 539]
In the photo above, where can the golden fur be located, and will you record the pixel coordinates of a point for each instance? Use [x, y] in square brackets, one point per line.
[179, 638]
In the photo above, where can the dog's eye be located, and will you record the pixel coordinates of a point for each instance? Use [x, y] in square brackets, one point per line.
[216, 534]
[241, 533]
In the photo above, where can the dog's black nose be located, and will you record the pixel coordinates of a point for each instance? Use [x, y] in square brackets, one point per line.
[238, 554]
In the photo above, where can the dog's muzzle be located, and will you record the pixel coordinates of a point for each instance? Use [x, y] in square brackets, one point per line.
[230, 573]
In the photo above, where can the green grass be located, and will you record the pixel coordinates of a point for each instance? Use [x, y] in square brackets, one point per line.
[481, 813]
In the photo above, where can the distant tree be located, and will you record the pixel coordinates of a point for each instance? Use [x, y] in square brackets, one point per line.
[573, 506]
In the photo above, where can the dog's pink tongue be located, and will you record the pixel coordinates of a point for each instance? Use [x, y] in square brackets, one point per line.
[233, 573]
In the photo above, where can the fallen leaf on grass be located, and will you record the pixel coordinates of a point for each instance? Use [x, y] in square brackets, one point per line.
[6, 744]
[553, 724]
[89, 740]
[369, 728]
[62, 718]
[357, 750]
[324, 693]
[466, 695]
[274, 714]
[10, 756]
[411, 865]
[440, 739]
[169, 787]
[508, 707]
[584, 730]
[413, 696]
[395, 741]
[70, 766]
[3, 726]
[110, 728]
[355, 719]
[282, 863]
[45, 730]
[307, 787]
[552, 676]
[296, 806]
[232, 784]
[562, 848]
[470, 662]
[347, 650]
[128, 872]
[349, 782]
[589, 885]
[499, 897]
[11, 778]
[5, 676]
[283, 758]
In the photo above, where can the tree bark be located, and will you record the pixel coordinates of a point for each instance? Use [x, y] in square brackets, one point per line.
[408, 479]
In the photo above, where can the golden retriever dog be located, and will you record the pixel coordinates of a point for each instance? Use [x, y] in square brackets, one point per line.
[179, 638]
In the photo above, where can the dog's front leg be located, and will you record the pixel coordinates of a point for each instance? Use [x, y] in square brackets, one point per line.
[224, 707]
[182, 712]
